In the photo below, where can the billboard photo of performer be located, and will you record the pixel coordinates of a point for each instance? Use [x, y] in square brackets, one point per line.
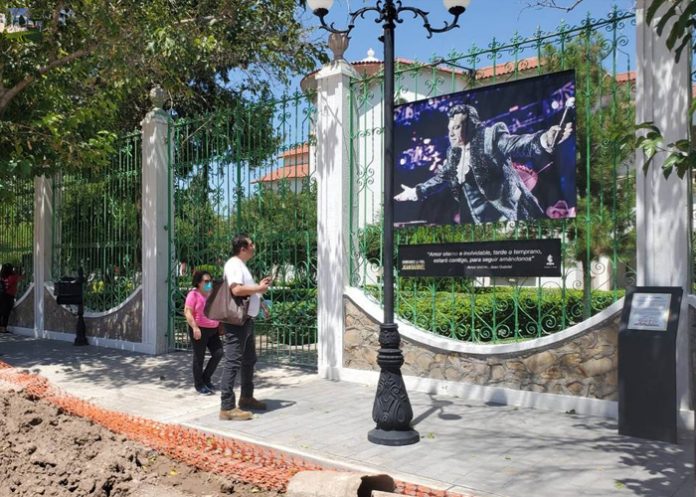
[488, 173]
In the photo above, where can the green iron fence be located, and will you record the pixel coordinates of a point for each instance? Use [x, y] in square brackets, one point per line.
[692, 206]
[598, 246]
[249, 170]
[97, 226]
[17, 229]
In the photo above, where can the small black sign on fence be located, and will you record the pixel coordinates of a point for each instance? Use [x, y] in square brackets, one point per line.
[502, 258]
[647, 363]
[69, 291]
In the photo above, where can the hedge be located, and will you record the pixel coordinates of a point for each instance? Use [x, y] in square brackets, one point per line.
[498, 314]
[484, 315]
[292, 323]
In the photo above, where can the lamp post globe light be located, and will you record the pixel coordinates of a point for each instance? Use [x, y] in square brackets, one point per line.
[392, 410]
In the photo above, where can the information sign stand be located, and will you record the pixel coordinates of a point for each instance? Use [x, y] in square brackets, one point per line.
[647, 363]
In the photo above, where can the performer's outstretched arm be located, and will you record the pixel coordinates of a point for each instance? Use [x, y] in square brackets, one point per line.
[407, 194]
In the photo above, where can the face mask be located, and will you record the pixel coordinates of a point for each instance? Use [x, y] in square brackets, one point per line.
[208, 287]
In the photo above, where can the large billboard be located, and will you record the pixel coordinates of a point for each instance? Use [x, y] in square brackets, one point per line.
[504, 152]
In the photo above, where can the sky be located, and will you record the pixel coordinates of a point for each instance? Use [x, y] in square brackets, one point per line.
[482, 21]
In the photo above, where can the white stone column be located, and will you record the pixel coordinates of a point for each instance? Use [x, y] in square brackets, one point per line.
[155, 224]
[333, 204]
[663, 95]
[43, 221]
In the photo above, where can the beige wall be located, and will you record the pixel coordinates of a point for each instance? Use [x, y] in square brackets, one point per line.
[23, 312]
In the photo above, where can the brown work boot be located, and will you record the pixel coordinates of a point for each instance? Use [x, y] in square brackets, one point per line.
[235, 414]
[251, 403]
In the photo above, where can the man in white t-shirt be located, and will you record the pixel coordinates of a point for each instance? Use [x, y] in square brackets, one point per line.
[239, 342]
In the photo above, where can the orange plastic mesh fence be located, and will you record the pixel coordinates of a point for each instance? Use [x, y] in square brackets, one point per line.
[243, 461]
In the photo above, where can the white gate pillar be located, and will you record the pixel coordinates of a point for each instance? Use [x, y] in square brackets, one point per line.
[663, 95]
[43, 219]
[333, 204]
[155, 221]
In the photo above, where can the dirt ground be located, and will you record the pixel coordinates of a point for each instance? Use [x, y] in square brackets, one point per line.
[46, 452]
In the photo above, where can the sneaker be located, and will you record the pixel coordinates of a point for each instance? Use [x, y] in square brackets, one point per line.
[251, 403]
[211, 387]
[204, 390]
[235, 414]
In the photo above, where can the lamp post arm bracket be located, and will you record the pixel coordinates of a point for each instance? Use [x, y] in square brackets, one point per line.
[426, 22]
[353, 16]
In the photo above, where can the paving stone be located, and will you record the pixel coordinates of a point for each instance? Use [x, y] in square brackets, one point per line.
[466, 446]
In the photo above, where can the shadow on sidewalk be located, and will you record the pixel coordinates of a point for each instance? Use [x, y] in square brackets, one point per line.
[439, 407]
[275, 405]
[110, 368]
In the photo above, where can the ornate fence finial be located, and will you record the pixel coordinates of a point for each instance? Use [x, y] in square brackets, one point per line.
[338, 43]
[158, 97]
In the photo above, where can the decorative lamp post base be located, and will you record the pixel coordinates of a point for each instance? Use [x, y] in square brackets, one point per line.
[393, 438]
[392, 410]
[80, 329]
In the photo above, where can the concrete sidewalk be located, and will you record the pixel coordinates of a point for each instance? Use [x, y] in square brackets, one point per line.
[466, 447]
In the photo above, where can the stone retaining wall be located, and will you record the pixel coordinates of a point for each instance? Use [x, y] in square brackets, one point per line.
[23, 314]
[584, 365]
[692, 357]
[125, 323]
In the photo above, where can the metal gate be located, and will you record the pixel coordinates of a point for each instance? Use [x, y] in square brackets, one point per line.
[249, 170]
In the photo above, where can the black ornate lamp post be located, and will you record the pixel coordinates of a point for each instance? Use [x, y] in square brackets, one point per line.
[392, 409]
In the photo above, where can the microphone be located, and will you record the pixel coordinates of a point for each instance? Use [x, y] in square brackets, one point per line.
[569, 104]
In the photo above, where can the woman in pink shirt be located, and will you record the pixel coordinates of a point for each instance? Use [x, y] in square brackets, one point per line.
[8, 292]
[203, 333]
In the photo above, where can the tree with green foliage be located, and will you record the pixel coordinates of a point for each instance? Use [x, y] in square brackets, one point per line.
[680, 16]
[66, 94]
[604, 225]
[265, 213]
